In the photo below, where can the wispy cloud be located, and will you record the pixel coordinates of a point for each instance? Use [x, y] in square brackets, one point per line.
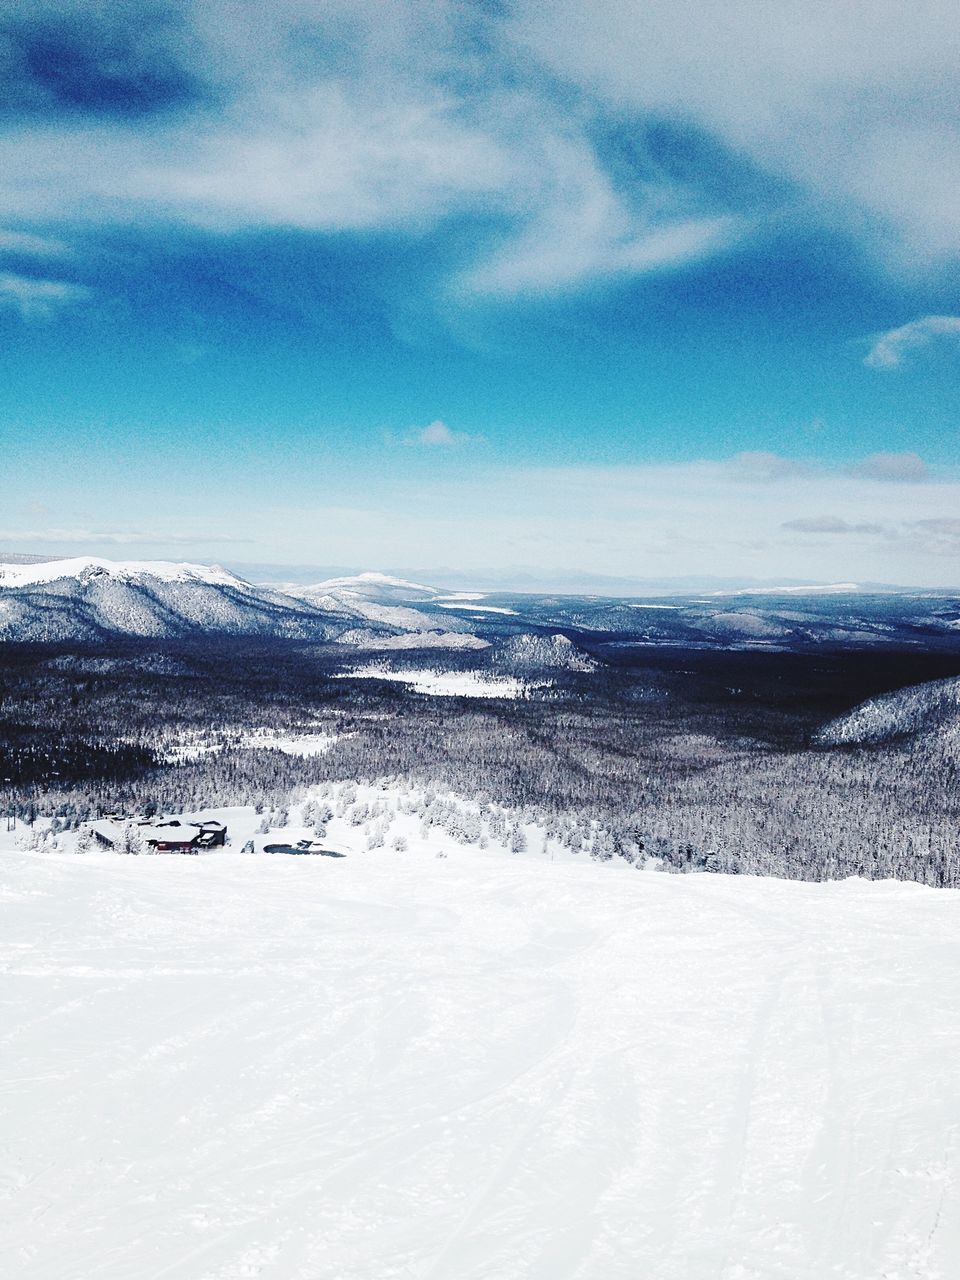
[22, 243]
[39, 299]
[894, 468]
[844, 100]
[112, 537]
[759, 464]
[581, 227]
[337, 117]
[654, 520]
[830, 524]
[436, 435]
[889, 348]
[399, 125]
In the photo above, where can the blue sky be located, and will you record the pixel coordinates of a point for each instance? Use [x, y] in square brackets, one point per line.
[639, 289]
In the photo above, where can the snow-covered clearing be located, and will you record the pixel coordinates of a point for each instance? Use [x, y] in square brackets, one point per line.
[191, 746]
[394, 1067]
[446, 684]
[291, 744]
[478, 608]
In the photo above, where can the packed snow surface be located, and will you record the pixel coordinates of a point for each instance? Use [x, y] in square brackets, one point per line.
[394, 1067]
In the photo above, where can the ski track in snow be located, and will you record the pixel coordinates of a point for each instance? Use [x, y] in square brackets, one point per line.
[481, 1067]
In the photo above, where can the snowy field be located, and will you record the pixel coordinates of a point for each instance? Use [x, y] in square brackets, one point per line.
[191, 746]
[475, 1067]
[446, 684]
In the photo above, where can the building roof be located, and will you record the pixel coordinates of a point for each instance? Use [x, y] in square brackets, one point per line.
[171, 830]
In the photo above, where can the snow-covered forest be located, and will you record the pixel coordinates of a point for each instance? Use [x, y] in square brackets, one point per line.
[673, 764]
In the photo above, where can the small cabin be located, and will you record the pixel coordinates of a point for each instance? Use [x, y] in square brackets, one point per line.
[162, 835]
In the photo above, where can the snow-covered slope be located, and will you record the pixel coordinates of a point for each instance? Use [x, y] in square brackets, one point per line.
[931, 709]
[88, 598]
[377, 587]
[88, 568]
[389, 608]
[390, 1065]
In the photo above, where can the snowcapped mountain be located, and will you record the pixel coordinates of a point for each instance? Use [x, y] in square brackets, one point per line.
[391, 609]
[87, 599]
[377, 588]
[86, 568]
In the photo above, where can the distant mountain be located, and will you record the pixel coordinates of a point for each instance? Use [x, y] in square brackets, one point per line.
[30, 571]
[390, 609]
[88, 599]
[17, 557]
[378, 587]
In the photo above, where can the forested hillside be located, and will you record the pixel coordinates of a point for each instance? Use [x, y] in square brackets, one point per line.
[702, 762]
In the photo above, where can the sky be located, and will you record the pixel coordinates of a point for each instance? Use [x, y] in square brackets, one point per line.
[636, 289]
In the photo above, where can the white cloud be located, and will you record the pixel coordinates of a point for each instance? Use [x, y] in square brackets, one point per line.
[939, 536]
[896, 468]
[331, 158]
[436, 435]
[830, 524]
[847, 99]
[404, 132]
[760, 464]
[704, 517]
[112, 537]
[580, 228]
[889, 348]
[356, 115]
[22, 242]
[38, 299]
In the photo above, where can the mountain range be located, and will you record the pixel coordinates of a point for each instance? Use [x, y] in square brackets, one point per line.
[89, 599]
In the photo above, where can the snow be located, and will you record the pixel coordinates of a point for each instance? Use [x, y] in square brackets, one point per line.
[21, 575]
[400, 1067]
[479, 608]
[932, 707]
[291, 744]
[444, 684]
[361, 582]
[193, 745]
[825, 588]
[361, 638]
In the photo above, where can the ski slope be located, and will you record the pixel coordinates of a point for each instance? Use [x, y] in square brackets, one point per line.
[398, 1067]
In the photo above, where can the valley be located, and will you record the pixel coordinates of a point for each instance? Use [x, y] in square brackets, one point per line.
[672, 743]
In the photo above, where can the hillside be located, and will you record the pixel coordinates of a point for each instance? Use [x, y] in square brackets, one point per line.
[87, 599]
[930, 711]
[390, 1065]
